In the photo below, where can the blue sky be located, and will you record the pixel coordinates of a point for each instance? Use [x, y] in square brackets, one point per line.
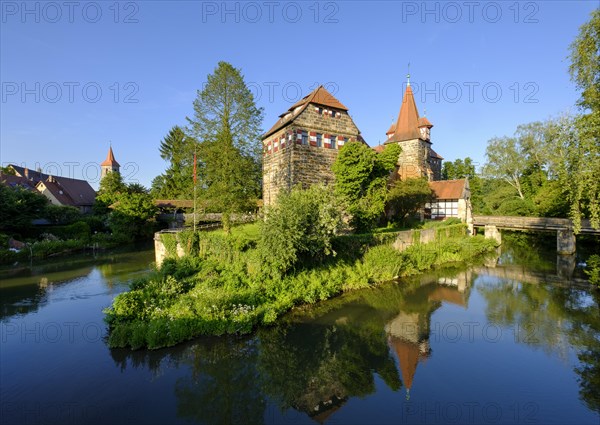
[78, 75]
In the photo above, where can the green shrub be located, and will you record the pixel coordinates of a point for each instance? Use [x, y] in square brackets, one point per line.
[383, 263]
[592, 270]
[300, 227]
[224, 289]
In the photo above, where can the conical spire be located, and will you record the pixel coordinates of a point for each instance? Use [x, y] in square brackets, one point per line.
[110, 160]
[408, 118]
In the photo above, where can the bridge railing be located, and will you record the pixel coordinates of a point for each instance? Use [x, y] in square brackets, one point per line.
[531, 223]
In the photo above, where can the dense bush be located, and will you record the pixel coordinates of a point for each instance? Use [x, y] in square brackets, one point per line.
[299, 227]
[59, 214]
[79, 230]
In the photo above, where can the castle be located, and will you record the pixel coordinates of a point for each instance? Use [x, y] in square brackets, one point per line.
[302, 145]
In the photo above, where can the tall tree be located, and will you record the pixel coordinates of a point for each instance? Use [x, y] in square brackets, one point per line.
[111, 187]
[18, 206]
[585, 63]
[176, 183]
[583, 152]
[505, 161]
[459, 169]
[227, 124]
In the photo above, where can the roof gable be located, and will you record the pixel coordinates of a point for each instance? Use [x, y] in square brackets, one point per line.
[68, 191]
[319, 96]
[450, 189]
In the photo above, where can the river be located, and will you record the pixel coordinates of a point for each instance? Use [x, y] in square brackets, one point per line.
[509, 343]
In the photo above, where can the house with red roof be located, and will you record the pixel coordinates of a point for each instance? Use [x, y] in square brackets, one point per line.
[68, 192]
[302, 145]
[452, 199]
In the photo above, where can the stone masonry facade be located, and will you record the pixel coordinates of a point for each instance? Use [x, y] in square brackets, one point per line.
[415, 161]
[303, 149]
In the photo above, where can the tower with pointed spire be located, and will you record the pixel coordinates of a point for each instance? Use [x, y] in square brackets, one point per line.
[413, 134]
[110, 164]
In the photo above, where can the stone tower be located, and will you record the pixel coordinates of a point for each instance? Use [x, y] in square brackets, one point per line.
[109, 165]
[413, 134]
[302, 145]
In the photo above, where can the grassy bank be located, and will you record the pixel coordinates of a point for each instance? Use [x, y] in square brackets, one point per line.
[222, 286]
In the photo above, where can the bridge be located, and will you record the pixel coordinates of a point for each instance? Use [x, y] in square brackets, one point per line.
[565, 238]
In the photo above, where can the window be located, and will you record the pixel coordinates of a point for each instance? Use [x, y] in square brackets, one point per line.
[320, 111]
[444, 208]
[304, 138]
[319, 140]
[332, 140]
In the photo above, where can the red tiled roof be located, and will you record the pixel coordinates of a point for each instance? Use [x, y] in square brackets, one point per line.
[71, 192]
[448, 189]
[379, 148]
[391, 129]
[110, 160]
[16, 181]
[407, 125]
[319, 96]
[424, 122]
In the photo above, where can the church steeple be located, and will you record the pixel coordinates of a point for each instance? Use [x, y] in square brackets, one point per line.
[110, 164]
[407, 124]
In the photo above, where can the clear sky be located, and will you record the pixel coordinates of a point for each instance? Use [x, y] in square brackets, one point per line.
[78, 75]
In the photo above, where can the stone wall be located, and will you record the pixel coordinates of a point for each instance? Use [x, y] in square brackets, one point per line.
[292, 163]
[160, 252]
[407, 238]
[414, 160]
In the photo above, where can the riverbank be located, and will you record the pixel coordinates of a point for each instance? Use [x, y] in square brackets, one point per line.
[222, 287]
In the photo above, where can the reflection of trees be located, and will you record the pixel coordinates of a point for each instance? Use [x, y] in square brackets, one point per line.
[224, 386]
[313, 361]
[25, 290]
[315, 368]
[553, 318]
[29, 289]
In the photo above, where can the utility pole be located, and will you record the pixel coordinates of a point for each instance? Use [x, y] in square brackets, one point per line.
[194, 188]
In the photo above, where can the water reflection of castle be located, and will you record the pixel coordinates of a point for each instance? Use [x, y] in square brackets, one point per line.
[408, 333]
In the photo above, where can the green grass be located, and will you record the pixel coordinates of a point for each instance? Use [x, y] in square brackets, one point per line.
[225, 289]
[250, 231]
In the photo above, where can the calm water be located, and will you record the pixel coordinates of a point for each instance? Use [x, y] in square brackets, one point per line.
[484, 345]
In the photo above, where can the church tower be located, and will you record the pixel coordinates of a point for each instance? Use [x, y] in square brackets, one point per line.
[109, 165]
[413, 134]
